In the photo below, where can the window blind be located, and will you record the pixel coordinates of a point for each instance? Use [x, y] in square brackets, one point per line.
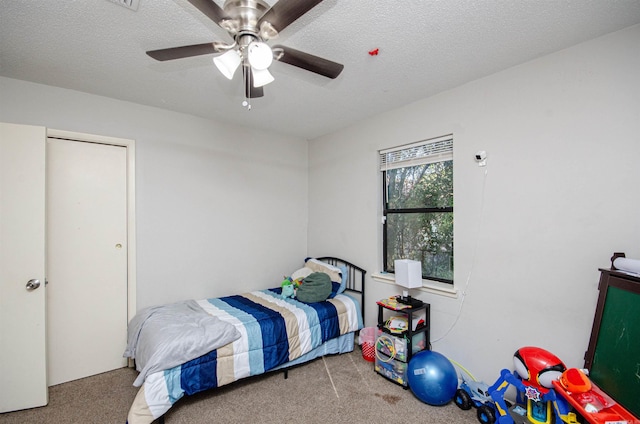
[419, 153]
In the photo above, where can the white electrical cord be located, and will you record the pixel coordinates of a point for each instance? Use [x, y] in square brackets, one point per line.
[473, 259]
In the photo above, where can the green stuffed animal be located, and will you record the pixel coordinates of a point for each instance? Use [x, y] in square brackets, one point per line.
[288, 287]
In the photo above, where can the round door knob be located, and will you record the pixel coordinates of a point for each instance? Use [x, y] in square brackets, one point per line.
[33, 284]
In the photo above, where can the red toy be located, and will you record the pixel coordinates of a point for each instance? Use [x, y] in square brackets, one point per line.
[594, 405]
[549, 391]
[537, 367]
[575, 380]
[535, 371]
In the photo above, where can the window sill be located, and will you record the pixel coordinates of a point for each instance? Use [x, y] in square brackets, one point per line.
[428, 286]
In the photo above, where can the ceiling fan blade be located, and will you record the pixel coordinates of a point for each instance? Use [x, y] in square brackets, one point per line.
[309, 62]
[182, 52]
[210, 9]
[250, 91]
[285, 12]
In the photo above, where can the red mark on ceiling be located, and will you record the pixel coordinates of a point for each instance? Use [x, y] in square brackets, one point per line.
[374, 52]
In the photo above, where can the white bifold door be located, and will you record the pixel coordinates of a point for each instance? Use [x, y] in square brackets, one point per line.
[86, 258]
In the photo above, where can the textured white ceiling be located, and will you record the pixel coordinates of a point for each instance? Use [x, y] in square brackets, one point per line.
[425, 47]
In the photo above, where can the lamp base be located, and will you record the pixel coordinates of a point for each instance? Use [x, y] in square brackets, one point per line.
[408, 300]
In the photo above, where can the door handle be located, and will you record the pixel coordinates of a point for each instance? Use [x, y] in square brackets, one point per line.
[33, 284]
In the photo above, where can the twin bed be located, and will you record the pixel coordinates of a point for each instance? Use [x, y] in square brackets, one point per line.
[189, 347]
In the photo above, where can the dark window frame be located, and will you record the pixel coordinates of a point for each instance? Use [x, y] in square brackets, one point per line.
[387, 211]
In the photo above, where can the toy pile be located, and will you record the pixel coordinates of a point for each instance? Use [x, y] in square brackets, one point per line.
[547, 392]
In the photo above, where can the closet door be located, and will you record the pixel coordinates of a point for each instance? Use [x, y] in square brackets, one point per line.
[23, 373]
[86, 258]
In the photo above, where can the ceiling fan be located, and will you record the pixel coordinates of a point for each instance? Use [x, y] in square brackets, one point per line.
[251, 23]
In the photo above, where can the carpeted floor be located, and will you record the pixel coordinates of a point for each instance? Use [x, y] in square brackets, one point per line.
[334, 389]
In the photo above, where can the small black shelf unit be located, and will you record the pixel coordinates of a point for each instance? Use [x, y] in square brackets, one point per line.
[395, 349]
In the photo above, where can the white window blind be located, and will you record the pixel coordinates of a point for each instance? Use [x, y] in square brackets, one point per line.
[420, 153]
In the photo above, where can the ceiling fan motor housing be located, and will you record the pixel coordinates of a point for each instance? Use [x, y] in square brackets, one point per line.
[244, 16]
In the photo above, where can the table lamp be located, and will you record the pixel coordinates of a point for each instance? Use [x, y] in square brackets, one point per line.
[408, 275]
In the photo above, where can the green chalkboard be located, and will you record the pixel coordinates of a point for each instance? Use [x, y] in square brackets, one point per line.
[613, 359]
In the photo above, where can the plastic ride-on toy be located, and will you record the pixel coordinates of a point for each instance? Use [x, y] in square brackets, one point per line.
[535, 371]
[476, 393]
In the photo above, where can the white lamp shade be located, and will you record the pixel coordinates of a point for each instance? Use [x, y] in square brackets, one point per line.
[408, 273]
[261, 77]
[260, 55]
[228, 62]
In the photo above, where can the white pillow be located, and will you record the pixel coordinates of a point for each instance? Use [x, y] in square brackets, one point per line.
[301, 273]
[335, 274]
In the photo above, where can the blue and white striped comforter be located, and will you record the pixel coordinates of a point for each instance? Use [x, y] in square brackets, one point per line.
[273, 331]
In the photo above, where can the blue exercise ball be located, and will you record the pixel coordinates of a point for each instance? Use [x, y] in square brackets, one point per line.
[432, 378]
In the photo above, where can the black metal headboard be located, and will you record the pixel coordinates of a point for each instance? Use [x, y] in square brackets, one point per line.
[355, 282]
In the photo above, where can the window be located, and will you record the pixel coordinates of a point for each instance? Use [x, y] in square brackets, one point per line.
[418, 206]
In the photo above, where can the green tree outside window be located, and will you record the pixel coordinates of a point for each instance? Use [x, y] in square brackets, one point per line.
[418, 211]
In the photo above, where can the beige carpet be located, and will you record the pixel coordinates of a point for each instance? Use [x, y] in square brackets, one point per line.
[334, 389]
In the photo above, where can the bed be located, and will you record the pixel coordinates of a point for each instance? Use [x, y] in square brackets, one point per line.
[252, 334]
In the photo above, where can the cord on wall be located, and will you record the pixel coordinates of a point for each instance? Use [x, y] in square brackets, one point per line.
[475, 251]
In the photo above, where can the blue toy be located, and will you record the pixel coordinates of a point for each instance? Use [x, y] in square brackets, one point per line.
[476, 393]
[288, 288]
[432, 378]
[535, 371]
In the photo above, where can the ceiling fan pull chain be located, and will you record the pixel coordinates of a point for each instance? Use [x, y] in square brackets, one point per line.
[247, 84]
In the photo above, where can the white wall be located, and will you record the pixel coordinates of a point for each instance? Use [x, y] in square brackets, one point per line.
[212, 200]
[560, 195]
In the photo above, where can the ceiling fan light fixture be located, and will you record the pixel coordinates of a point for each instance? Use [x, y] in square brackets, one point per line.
[267, 31]
[230, 25]
[228, 62]
[259, 55]
[261, 77]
